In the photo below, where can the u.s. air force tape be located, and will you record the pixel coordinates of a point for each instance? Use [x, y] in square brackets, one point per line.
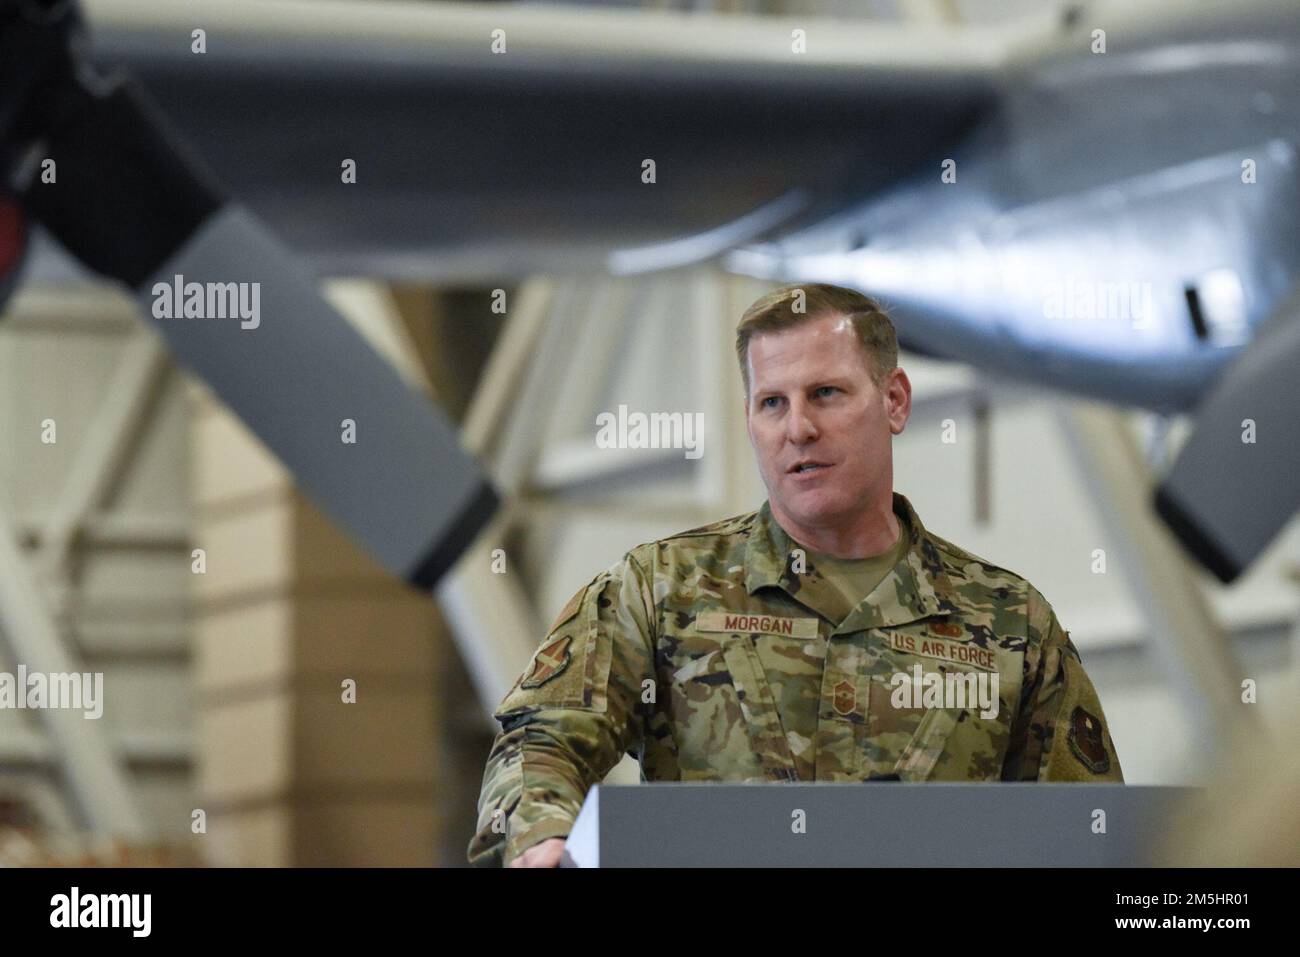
[956, 651]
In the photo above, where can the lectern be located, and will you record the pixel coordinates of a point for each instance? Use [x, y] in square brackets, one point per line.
[872, 824]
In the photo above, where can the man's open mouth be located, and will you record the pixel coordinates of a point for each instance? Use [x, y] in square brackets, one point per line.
[803, 468]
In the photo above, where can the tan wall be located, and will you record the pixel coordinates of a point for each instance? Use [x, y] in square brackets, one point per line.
[287, 611]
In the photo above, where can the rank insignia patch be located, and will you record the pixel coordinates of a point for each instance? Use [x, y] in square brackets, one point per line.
[846, 697]
[1086, 742]
[551, 660]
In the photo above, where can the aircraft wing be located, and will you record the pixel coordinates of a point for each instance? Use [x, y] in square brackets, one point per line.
[473, 163]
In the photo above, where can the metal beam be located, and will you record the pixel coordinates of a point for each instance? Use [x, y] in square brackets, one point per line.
[704, 299]
[523, 429]
[173, 749]
[86, 755]
[121, 529]
[100, 459]
[1182, 625]
[592, 353]
[507, 368]
[492, 621]
[578, 463]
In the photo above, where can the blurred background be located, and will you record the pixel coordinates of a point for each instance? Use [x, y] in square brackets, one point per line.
[167, 548]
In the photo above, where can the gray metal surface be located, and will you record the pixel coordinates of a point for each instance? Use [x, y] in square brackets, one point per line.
[472, 164]
[1072, 166]
[879, 824]
[405, 489]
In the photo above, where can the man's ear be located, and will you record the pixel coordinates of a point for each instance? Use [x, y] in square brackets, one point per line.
[899, 394]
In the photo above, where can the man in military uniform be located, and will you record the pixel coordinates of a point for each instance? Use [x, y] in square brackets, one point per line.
[793, 643]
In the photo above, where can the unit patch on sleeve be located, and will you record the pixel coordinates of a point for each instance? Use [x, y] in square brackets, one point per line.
[550, 661]
[1086, 742]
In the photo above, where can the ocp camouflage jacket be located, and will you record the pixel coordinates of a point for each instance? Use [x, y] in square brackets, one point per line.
[656, 657]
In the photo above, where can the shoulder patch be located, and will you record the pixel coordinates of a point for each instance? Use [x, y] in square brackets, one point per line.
[551, 660]
[1086, 742]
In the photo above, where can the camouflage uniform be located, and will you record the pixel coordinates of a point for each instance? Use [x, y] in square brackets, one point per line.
[657, 657]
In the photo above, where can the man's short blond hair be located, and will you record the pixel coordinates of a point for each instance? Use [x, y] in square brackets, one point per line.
[795, 304]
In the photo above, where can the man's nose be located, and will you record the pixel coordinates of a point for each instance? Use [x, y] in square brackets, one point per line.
[800, 428]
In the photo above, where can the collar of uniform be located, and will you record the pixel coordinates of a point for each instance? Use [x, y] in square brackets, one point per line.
[917, 587]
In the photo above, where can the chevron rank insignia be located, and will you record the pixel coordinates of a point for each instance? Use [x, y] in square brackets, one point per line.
[845, 697]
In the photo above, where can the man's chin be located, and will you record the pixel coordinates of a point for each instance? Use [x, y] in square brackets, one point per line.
[813, 507]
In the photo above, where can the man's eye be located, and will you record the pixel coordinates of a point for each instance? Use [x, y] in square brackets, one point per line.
[768, 399]
[827, 388]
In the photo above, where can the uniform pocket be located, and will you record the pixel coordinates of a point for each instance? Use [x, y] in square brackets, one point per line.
[912, 737]
[705, 712]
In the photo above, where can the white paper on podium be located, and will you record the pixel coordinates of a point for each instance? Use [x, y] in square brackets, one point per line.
[582, 846]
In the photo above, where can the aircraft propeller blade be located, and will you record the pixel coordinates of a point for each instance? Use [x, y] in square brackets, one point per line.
[1236, 482]
[232, 302]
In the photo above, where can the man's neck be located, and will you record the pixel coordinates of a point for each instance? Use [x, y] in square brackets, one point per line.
[871, 532]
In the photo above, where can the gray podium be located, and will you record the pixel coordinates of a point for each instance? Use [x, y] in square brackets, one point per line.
[876, 824]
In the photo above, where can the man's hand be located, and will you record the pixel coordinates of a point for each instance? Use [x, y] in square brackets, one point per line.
[545, 854]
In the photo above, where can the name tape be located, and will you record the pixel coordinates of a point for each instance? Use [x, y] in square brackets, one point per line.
[756, 624]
